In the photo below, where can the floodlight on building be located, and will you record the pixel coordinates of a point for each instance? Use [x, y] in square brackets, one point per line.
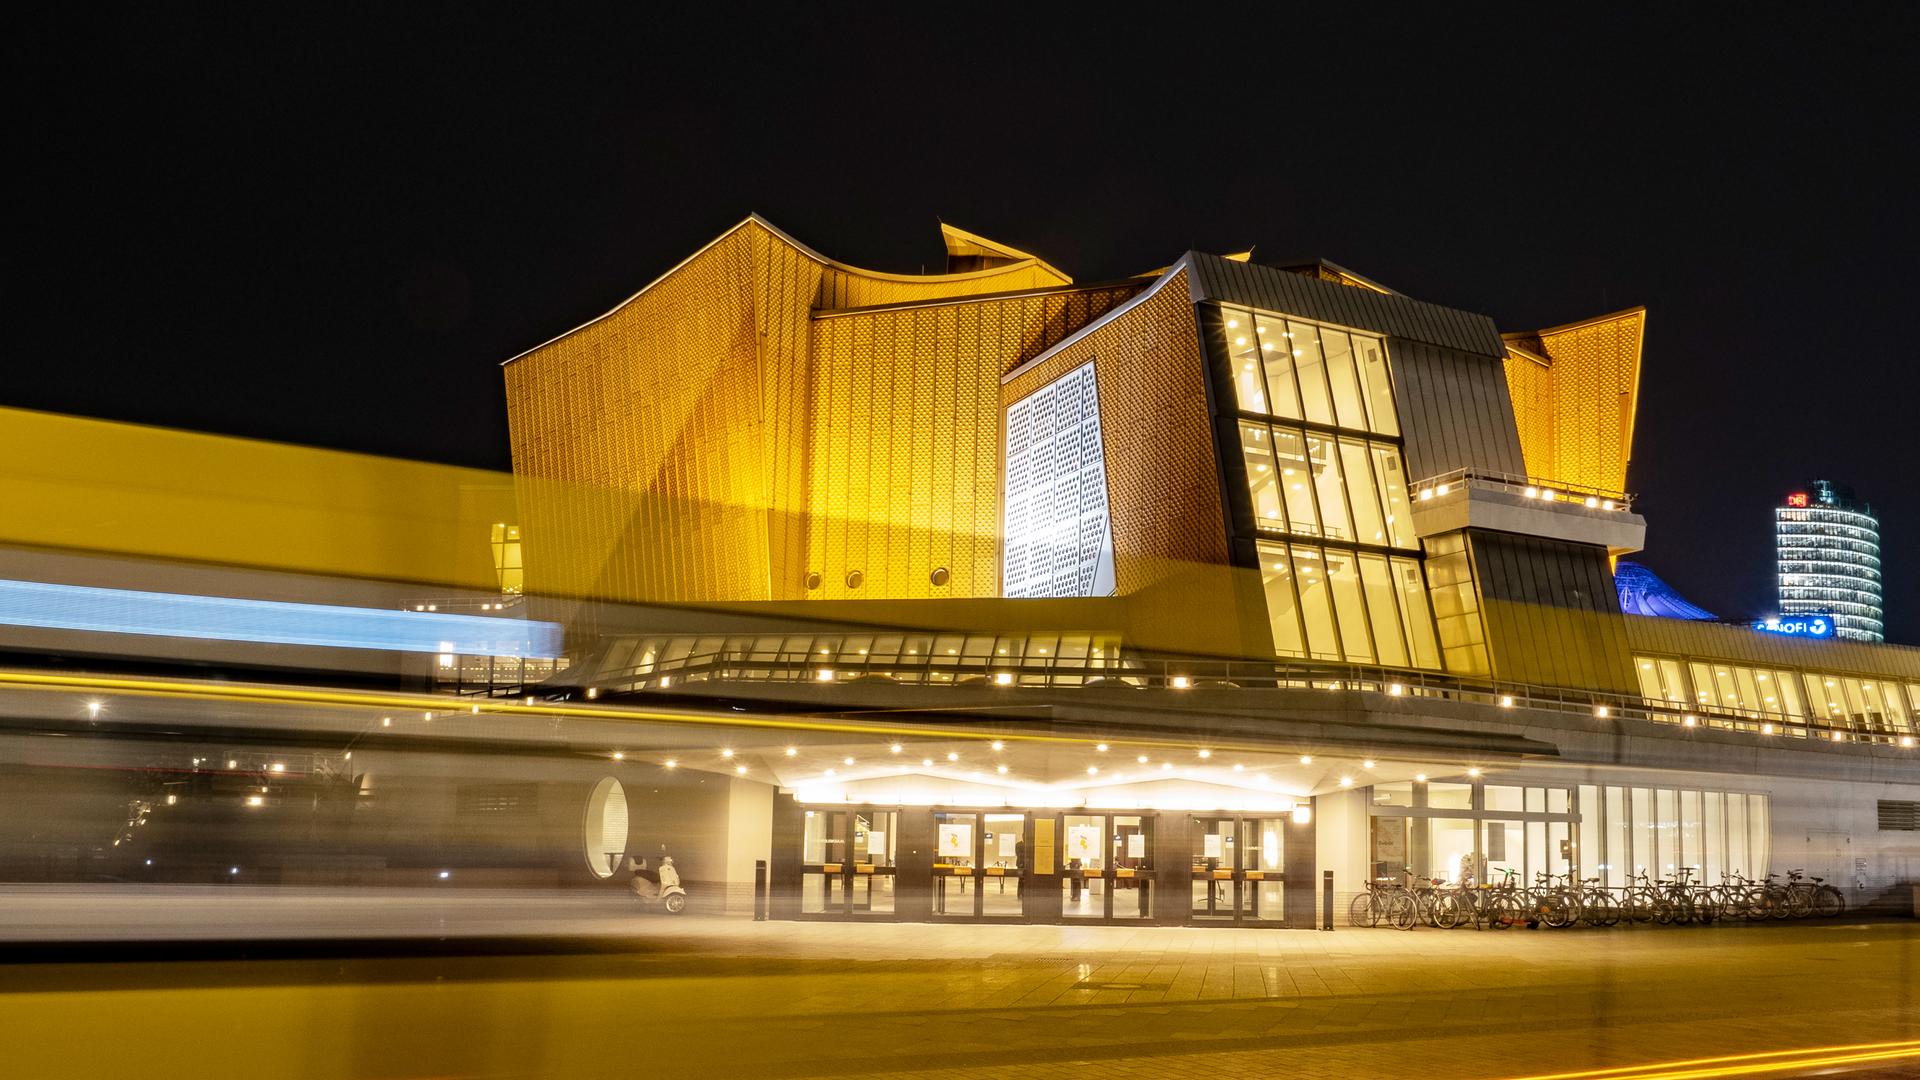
[1602, 711]
[670, 764]
[1506, 701]
[1689, 720]
[823, 675]
[1181, 682]
[619, 756]
[1395, 689]
[1004, 678]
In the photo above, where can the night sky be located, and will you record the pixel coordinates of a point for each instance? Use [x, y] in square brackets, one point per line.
[332, 231]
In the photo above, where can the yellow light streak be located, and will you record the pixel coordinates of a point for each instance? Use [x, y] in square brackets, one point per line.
[186, 689]
[1756, 1064]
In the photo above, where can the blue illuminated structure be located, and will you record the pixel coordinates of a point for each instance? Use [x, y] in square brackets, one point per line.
[1643, 593]
[272, 622]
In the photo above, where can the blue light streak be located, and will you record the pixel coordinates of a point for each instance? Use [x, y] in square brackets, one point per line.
[271, 622]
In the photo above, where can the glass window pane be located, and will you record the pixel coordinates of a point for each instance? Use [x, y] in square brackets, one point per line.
[1338, 354]
[1325, 462]
[1713, 837]
[1787, 684]
[1391, 477]
[1676, 684]
[1352, 610]
[1643, 850]
[1283, 608]
[1304, 342]
[1296, 478]
[1559, 801]
[1243, 356]
[1759, 834]
[1501, 797]
[1667, 832]
[1371, 356]
[1263, 480]
[1396, 794]
[1750, 697]
[1316, 603]
[1383, 608]
[1588, 848]
[1362, 494]
[1702, 685]
[1825, 698]
[1768, 690]
[1619, 838]
[1737, 861]
[1414, 614]
[1650, 687]
[1690, 835]
[1278, 363]
[1536, 800]
[1450, 796]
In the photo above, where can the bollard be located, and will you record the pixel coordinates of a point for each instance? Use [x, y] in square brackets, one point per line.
[1326, 901]
[760, 890]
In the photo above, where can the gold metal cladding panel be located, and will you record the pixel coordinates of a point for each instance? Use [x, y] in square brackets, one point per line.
[1576, 413]
[904, 440]
[653, 423]
[1162, 478]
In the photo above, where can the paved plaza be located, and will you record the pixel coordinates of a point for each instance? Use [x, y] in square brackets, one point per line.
[612, 993]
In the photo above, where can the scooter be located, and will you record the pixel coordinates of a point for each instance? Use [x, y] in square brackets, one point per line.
[661, 886]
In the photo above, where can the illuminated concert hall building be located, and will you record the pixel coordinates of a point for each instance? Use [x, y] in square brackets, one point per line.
[1209, 580]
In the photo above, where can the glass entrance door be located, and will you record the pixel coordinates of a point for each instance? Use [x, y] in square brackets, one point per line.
[1215, 888]
[847, 863]
[1262, 851]
[1238, 872]
[1107, 866]
[979, 865]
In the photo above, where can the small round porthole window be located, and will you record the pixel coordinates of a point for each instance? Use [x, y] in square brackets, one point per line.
[855, 578]
[813, 580]
[604, 829]
[939, 576]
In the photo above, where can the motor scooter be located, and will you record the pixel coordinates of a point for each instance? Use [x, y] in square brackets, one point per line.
[660, 886]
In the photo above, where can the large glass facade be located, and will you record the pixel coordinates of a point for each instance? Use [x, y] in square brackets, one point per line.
[1323, 474]
[1456, 606]
[1851, 702]
[1326, 603]
[1474, 832]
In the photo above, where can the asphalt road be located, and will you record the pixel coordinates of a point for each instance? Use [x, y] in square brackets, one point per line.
[573, 987]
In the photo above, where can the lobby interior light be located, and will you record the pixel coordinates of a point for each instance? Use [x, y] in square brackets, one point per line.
[846, 761]
[1101, 747]
[1367, 764]
[1473, 773]
[1346, 781]
[670, 763]
[1306, 759]
[926, 763]
[997, 744]
[1142, 759]
[953, 755]
[618, 756]
[1420, 778]
[895, 748]
[794, 751]
[1237, 767]
[741, 769]
[726, 751]
[1302, 813]
[1001, 769]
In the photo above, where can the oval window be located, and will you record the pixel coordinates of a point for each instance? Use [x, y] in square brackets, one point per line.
[604, 830]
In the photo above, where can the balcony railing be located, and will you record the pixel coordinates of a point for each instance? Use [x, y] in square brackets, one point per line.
[1547, 491]
[701, 670]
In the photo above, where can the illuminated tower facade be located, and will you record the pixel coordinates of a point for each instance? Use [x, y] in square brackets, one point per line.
[1828, 547]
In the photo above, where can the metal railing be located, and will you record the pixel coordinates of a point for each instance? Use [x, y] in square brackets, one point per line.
[1175, 675]
[1549, 491]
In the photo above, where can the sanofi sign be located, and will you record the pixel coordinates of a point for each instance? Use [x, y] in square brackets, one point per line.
[1807, 626]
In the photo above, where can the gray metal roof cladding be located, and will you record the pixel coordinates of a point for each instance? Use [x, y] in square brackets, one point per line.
[1215, 278]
